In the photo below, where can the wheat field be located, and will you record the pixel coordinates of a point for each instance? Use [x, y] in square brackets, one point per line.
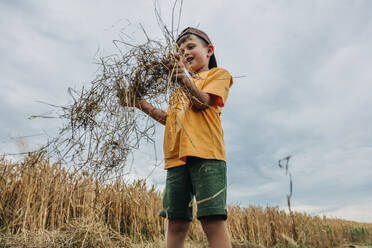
[44, 205]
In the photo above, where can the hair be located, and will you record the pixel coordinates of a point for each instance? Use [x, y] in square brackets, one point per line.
[187, 37]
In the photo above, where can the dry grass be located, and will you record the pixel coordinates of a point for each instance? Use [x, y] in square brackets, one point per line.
[98, 133]
[43, 205]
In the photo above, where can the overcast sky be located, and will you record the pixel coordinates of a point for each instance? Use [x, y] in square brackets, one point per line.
[306, 89]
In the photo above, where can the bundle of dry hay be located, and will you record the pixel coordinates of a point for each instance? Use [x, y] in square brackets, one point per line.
[99, 133]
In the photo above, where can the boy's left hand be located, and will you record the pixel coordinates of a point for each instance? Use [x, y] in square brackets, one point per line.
[177, 67]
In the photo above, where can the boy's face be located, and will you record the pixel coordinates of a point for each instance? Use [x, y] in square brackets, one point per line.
[196, 54]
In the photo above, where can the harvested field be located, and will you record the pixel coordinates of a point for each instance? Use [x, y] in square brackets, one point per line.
[43, 205]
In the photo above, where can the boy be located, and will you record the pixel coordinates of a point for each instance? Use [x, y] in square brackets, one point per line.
[194, 149]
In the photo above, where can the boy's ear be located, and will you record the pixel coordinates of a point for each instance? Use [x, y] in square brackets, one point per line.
[210, 50]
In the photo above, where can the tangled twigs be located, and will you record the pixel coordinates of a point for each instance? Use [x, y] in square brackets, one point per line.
[101, 126]
[99, 133]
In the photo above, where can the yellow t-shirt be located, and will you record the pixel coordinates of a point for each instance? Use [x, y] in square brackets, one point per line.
[197, 133]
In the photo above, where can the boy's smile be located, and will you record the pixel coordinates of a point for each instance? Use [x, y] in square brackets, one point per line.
[196, 54]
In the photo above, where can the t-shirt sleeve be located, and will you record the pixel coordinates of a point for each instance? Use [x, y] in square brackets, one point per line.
[218, 83]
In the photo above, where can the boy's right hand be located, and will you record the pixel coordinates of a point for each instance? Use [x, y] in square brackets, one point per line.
[126, 101]
[176, 65]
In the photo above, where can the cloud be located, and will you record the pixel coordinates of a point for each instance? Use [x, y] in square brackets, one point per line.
[307, 95]
[354, 211]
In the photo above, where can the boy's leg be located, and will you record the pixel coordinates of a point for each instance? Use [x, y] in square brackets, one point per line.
[216, 231]
[177, 195]
[208, 178]
[177, 231]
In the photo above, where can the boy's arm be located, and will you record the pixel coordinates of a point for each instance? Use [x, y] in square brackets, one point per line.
[155, 113]
[201, 99]
[146, 107]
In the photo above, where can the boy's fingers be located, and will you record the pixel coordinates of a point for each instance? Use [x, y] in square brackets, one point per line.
[178, 70]
[175, 67]
[177, 74]
[173, 55]
[172, 60]
[176, 56]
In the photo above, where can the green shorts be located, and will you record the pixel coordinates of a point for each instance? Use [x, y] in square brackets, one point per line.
[203, 178]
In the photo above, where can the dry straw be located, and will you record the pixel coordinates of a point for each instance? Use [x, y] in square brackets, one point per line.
[98, 132]
[43, 205]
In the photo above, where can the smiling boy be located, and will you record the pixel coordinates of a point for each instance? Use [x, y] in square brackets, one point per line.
[194, 149]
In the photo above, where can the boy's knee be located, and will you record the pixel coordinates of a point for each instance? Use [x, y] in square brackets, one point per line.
[213, 223]
[178, 226]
